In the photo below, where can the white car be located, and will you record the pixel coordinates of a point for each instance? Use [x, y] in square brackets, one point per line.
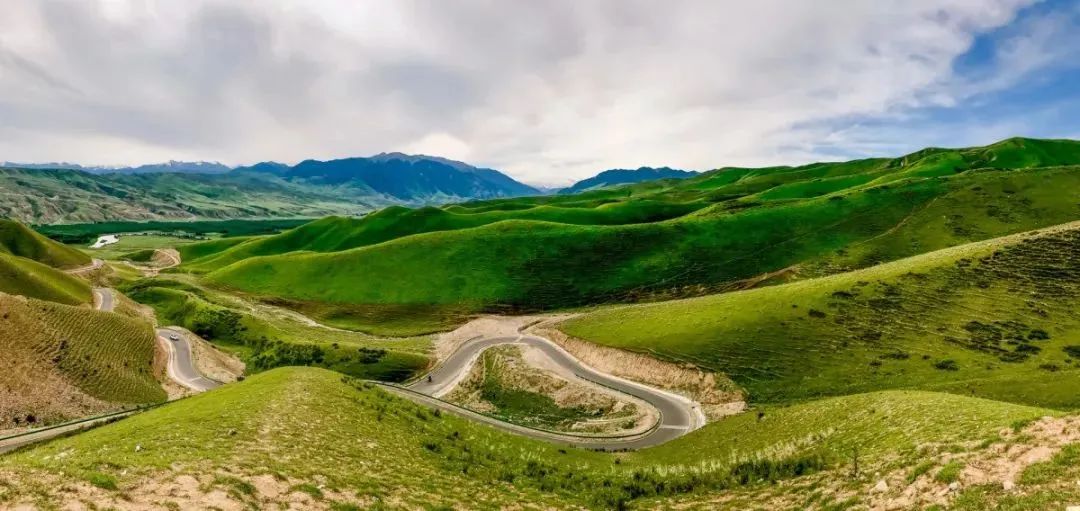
[174, 337]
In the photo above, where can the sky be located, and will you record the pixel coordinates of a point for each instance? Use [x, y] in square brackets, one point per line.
[549, 92]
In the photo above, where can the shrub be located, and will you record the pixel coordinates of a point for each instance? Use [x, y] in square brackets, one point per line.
[947, 365]
[1072, 351]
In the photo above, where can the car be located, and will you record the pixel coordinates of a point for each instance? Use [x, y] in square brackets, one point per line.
[174, 337]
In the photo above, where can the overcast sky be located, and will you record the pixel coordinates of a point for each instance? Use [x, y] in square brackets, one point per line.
[548, 91]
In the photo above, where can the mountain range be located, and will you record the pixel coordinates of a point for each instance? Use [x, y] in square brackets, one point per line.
[42, 193]
[67, 193]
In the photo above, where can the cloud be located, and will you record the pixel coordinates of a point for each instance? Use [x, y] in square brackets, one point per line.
[548, 91]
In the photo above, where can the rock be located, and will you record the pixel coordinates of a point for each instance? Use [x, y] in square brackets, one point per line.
[1008, 485]
[1073, 508]
[232, 432]
[953, 486]
[138, 447]
[881, 486]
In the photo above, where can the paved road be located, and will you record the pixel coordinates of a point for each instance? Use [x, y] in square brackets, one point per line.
[679, 415]
[181, 367]
[103, 299]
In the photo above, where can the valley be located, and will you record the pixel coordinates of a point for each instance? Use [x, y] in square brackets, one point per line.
[878, 333]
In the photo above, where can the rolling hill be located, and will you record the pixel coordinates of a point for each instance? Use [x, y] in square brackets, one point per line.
[62, 362]
[371, 448]
[994, 319]
[744, 226]
[22, 276]
[19, 240]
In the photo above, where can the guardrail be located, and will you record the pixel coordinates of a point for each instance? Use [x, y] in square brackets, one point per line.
[83, 420]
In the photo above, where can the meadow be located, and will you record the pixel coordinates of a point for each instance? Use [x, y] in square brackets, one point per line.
[994, 319]
[372, 449]
[421, 276]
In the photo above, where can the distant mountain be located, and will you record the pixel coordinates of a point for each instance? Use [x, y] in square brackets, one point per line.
[626, 176]
[182, 167]
[68, 193]
[402, 176]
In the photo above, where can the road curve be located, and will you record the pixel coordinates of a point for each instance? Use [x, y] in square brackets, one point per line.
[181, 367]
[103, 299]
[678, 414]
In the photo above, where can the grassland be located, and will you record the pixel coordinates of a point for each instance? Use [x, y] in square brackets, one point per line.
[362, 447]
[61, 362]
[18, 240]
[266, 337]
[21, 276]
[994, 319]
[744, 223]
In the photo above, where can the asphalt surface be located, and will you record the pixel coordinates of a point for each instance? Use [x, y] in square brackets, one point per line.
[104, 300]
[678, 415]
[181, 366]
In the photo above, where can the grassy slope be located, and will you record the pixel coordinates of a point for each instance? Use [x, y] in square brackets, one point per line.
[18, 240]
[985, 306]
[336, 233]
[21, 276]
[534, 265]
[265, 341]
[369, 445]
[61, 361]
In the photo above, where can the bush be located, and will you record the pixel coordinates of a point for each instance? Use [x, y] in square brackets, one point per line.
[947, 365]
[1072, 351]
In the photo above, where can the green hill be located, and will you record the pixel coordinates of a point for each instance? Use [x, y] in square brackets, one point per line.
[19, 240]
[21, 276]
[346, 445]
[994, 319]
[529, 265]
[62, 362]
[333, 234]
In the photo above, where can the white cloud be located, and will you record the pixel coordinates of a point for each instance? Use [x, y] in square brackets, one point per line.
[548, 91]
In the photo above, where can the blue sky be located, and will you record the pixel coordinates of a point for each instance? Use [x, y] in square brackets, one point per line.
[994, 98]
[549, 92]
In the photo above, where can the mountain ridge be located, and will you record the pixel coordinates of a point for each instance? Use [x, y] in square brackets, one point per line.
[614, 177]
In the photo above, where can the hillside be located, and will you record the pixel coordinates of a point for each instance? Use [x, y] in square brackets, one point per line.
[19, 240]
[252, 444]
[62, 362]
[21, 276]
[187, 191]
[337, 233]
[994, 319]
[265, 338]
[820, 219]
[616, 177]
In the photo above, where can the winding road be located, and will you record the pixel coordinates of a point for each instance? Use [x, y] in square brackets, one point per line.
[103, 299]
[678, 414]
[181, 366]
